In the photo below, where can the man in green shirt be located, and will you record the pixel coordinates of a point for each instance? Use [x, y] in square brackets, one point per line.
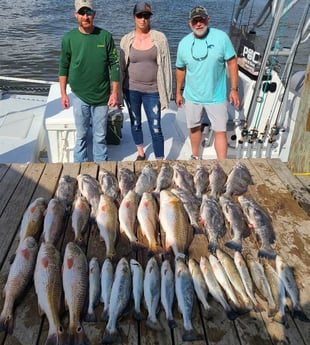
[90, 64]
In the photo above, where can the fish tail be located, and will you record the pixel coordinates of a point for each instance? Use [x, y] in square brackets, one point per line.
[299, 314]
[90, 317]
[137, 315]
[191, 335]
[232, 315]
[280, 318]
[172, 323]
[258, 307]
[78, 336]
[235, 245]
[104, 315]
[59, 338]
[7, 324]
[267, 252]
[110, 337]
[272, 311]
[154, 325]
[212, 246]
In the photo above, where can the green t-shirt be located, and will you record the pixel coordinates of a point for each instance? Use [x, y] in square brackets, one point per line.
[89, 61]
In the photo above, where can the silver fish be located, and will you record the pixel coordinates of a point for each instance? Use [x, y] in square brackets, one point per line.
[262, 284]
[286, 275]
[137, 287]
[106, 279]
[164, 178]
[212, 220]
[183, 178]
[185, 296]
[80, 219]
[20, 275]
[200, 285]
[217, 180]
[94, 288]
[215, 288]
[167, 291]
[66, 190]
[53, 225]
[262, 223]
[109, 184]
[223, 279]
[48, 287]
[246, 279]
[278, 293]
[126, 181]
[90, 188]
[146, 181]
[234, 277]
[237, 223]
[75, 286]
[238, 180]
[201, 180]
[107, 222]
[120, 296]
[151, 289]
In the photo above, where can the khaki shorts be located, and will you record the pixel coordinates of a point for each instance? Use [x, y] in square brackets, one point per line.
[217, 114]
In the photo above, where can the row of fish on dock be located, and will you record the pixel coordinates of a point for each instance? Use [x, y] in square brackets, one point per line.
[182, 205]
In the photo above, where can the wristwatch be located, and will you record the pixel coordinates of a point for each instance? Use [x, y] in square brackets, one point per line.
[234, 88]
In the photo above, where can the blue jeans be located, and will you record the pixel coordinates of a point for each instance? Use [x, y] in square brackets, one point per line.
[152, 107]
[85, 117]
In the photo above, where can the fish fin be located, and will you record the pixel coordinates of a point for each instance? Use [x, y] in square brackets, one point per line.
[90, 317]
[191, 335]
[235, 245]
[300, 315]
[155, 326]
[137, 315]
[7, 324]
[12, 258]
[268, 253]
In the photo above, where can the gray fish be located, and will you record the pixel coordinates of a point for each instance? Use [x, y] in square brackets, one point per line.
[262, 284]
[90, 188]
[191, 205]
[75, 286]
[262, 224]
[94, 289]
[286, 275]
[212, 219]
[164, 178]
[109, 184]
[53, 225]
[137, 287]
[80, 219]
[167, 291]
[201, 180]
[66, 190]
[214, 287]
[120, 296]
[151, 289]
[126, 181]
[20, 275]
[237, 223]
[217, 180]
[183, 178]
[238, 180]
[106, 278]
[185, 296]
[146, 181]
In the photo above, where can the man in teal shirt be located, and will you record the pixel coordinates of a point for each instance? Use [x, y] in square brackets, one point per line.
[203, 57]
[90, 64]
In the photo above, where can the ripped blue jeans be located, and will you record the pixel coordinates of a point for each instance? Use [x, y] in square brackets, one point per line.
[152, 107]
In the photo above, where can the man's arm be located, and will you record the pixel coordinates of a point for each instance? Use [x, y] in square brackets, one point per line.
[232, 67]
[179, 77]
[65, 102]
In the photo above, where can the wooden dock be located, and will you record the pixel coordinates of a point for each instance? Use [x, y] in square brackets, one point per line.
[284, 196]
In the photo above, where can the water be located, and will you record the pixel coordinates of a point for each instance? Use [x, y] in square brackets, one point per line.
[31, 30]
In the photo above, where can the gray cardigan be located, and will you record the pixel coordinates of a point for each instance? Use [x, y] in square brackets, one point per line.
[164, 73]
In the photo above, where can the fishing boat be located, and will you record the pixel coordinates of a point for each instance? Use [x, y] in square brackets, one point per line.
[34, 127]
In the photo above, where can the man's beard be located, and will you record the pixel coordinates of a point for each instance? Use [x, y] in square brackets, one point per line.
[200, 33]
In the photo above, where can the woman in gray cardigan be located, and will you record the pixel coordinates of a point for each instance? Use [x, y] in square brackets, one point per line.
[146, 78]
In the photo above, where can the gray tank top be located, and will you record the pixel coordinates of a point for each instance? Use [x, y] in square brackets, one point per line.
[142, 70]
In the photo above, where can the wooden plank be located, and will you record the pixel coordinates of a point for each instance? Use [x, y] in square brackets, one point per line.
[4, 167]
